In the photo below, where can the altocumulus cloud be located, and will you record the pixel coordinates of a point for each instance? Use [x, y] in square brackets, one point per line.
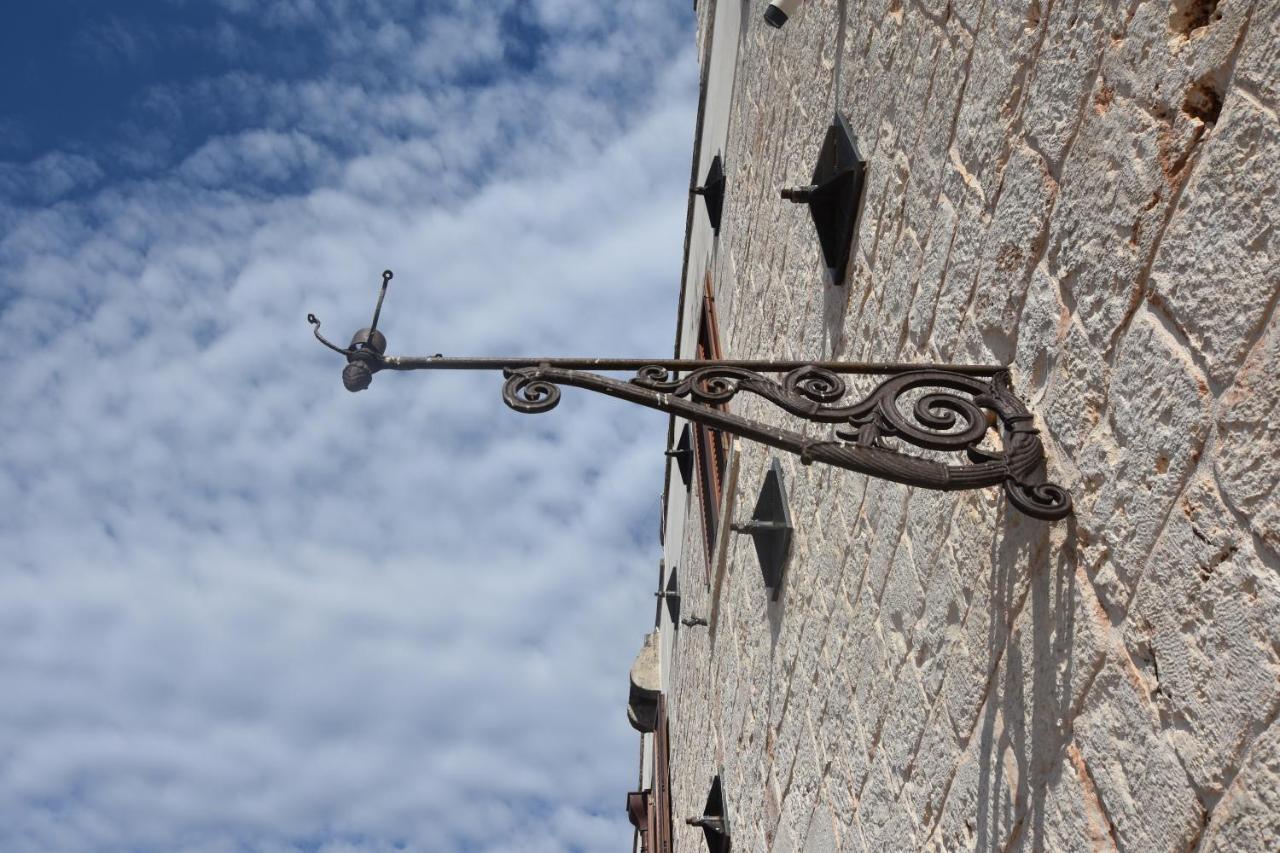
[241, 609]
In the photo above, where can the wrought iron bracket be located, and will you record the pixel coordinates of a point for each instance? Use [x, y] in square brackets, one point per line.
[903, 430]
[833, 196]
[712, 192]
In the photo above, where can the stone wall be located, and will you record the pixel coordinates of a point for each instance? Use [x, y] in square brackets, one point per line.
[1090, 191]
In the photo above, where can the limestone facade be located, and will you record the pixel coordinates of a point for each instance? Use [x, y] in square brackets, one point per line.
[1089, 191]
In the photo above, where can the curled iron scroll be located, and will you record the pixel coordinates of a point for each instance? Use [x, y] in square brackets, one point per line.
[953, 415]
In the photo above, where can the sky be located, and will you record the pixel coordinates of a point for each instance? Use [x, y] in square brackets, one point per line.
[240, 608]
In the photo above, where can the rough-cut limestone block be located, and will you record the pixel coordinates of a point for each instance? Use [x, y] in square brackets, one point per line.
[1064, 73]
[886, 510]
[1072, 406]
[932, 768]
[803, 790]
[1164, 48]
[1042, 330]
[1248, 458]
[1066, 816]
[1059, 642]
[832, 708]
[853, 841]
[1135, 463]
[871, 689]
[929, 515]
[969, 664]
[1216, 267]
[791, 733]
[895, 299]
[981, 809]
[903, 727]
[1004, 47]
[1205, 627]
[855, 762]
[1114, 192]
[1259, 64]
[901, 604]
[821, 834]
[933, 268]
[938, 627]
[1013, 247]
[1248, 816]
[837, 796]
[1139, 781]
[920, 43]
[885, 826]
[958, 280]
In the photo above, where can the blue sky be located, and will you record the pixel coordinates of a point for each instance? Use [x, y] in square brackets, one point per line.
[240, 608]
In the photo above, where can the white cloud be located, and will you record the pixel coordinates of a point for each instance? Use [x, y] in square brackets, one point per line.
[50, 177]
[240, 607]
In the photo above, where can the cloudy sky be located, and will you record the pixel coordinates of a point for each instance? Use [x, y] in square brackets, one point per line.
[240, 608]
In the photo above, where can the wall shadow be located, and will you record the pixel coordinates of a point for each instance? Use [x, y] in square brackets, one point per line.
[1026, 718]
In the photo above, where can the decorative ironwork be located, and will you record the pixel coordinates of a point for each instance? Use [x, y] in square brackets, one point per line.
[939, 421]
[933, 409]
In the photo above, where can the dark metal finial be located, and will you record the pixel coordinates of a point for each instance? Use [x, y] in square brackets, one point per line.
[387, 275]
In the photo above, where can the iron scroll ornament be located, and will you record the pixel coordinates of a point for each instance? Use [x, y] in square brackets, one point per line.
[943, 420]
[960, 404]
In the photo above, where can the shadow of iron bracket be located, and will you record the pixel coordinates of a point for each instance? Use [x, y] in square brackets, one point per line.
[833, 196]
[712, 192]
[770, 528]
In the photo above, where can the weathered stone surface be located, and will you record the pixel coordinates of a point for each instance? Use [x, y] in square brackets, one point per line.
[1014, 248]
[981, 807]
[1063, 76]
[1248, 817]
[1087, 189]
[931, 770]
[821, 834]
[1259, 65]
[1067, 817]
[1249, 431]
[1137, 459]
[1227, 230]
[1115, 184]
[884, 825]
[1206, 632]
[1138, 778]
